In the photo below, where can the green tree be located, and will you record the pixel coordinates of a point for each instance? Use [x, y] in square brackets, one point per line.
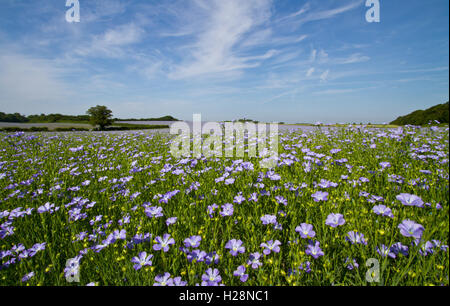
[100, 115]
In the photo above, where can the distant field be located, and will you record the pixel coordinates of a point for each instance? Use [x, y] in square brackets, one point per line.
[346, 125]
[285, 127]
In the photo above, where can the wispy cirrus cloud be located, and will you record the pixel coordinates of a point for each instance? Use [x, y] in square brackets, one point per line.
[339, 91]
[435, 69]
[308, 14]
[324, 76]
[112, 41]
[227, 24]
[353, 58]
[326, 14]
[310, 72]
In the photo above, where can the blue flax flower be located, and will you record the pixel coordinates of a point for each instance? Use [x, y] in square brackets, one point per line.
[227, 210]
[410, 228]
[211, 277]
[305, 230]
[235, 247]
[383, 210]
[335, 220]
[254, 260]
[192, 242]
[240, 272]
[271, 246]
[163, 243]
[142, 260]
[410, 199]
[356, 238]
[320, 196]
[163, 280]
[314, 250]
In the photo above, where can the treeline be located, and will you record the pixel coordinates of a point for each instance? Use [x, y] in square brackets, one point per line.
[244, 120]
[165, 118]
[42, 118]
[438, 112]
[53, 118]
[16, 117]
[132, 127]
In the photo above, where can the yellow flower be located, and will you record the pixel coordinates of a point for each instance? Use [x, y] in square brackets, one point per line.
[290, 279]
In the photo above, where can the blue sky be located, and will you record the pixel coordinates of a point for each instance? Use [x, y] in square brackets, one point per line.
[280, 60]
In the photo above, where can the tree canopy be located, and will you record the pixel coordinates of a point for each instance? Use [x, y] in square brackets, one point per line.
[438, 112]
[100, 116]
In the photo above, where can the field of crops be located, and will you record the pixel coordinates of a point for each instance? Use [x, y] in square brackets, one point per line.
[346, 206]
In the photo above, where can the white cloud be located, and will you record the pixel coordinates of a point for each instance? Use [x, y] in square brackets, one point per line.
[285, 58]
[287, 39]
[306, 14]
[122, 35]
[303, 10]
[353, 58]
[323, 56]
[152, 70]
[324, 76]
[111, 43]
[341, 91]
[436, 69]
[332, 12]
[257, 38]
[310, 72]
[227, 24]
[313, 55]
